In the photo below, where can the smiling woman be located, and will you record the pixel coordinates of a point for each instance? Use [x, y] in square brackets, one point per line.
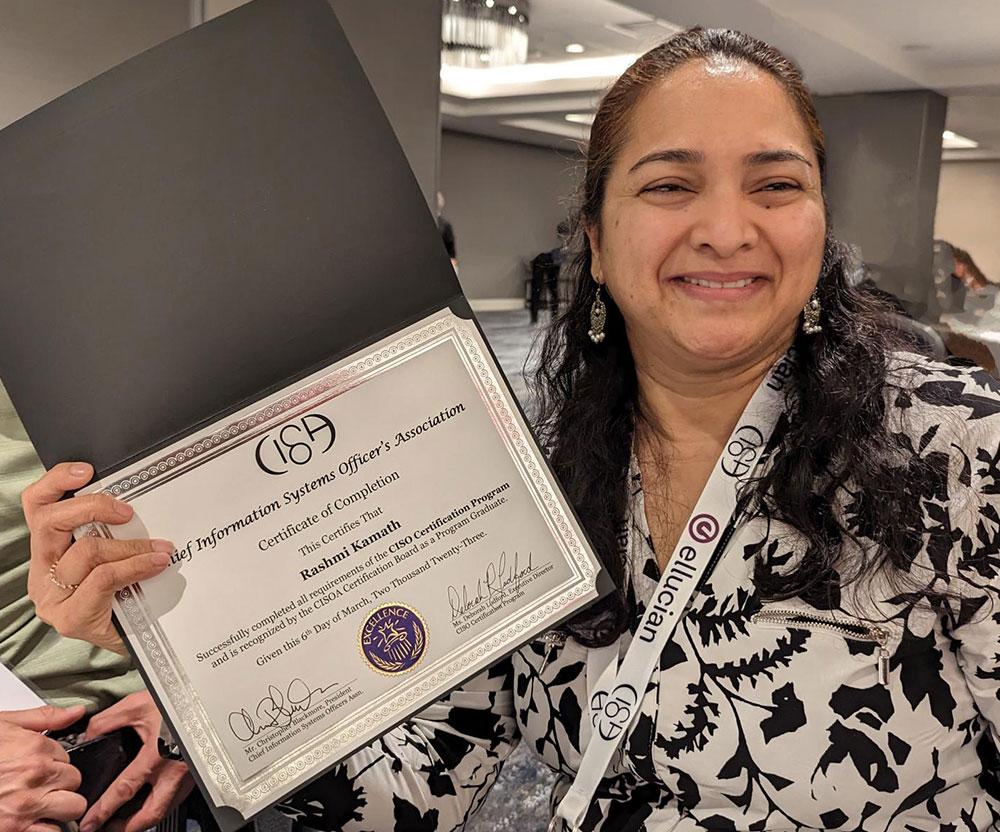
[702, 216]
[802, 521]
[711, 232]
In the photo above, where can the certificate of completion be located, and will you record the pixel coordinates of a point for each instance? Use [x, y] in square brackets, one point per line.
[348, 549]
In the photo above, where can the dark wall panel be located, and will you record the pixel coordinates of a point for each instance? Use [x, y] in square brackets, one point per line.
[883, 164]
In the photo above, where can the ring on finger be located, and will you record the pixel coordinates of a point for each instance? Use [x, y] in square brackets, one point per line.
[55, 579]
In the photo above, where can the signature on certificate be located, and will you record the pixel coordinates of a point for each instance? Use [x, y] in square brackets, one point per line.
[277, 709]
[501, 578]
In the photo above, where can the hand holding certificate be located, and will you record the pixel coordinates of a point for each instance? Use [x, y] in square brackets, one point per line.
[75, 596]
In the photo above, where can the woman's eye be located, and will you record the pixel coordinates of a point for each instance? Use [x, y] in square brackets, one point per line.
[667, 188]
[781, 186]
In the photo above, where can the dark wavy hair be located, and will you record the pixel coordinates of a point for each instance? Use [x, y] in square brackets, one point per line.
[586, 393]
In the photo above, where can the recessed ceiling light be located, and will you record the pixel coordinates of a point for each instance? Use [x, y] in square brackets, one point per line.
[490, 4]
[576, 73]
[512, 10]
[646, 30]
[580, 118]
[574, 48]
[952, 141]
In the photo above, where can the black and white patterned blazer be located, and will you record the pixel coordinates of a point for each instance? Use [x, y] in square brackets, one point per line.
[761, 716]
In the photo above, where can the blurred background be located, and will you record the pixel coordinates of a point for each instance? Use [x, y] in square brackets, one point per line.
[492, 100]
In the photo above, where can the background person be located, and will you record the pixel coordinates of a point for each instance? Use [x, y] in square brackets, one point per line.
[545, 275]
[447, 232]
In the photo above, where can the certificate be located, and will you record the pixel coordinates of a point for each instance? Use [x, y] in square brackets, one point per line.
[347, 550]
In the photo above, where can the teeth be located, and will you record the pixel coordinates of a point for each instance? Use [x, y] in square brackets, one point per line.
[711, 284]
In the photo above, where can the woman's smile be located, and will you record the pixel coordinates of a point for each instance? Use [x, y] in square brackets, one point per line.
[718, 286]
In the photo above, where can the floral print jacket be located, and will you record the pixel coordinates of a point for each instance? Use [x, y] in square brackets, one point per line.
[864, 712]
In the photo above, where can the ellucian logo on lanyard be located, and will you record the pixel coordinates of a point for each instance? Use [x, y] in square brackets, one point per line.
[704, 528]
[615, 698]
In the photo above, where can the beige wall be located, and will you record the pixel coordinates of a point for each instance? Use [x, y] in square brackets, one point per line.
[968, 211]
[504, 201]
[48, 47]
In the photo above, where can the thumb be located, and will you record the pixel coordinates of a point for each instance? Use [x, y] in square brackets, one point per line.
[45, 718]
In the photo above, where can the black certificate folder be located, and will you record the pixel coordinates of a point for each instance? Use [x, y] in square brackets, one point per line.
[199, 225]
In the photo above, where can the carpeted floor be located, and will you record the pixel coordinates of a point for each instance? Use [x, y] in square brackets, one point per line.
[512, 336]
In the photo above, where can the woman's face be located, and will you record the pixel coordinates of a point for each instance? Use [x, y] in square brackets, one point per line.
[712, 228]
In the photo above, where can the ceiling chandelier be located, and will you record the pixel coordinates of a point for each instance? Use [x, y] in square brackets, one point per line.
[481, 33]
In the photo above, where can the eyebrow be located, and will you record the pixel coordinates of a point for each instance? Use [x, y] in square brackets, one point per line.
[685, 156]
[679, 154]
[765, 157]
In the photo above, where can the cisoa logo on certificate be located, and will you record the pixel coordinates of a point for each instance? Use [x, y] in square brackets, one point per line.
[295, 444]
[393, 639]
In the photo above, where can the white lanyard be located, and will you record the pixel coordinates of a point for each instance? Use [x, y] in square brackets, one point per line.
[614, 702]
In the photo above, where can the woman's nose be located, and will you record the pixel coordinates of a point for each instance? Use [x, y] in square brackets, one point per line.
[722, 223]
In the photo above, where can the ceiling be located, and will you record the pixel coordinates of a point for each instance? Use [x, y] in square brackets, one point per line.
[848, 46]
[603, 27]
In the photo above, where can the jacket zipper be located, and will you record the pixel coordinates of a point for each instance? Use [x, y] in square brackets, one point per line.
[855, 632]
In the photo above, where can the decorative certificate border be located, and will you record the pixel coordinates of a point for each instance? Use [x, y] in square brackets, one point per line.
[164, 667]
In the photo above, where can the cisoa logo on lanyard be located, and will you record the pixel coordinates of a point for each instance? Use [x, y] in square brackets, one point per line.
[613, 711]
[742, 451]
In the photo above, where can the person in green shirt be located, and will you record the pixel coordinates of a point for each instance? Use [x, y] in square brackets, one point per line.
[76, 679]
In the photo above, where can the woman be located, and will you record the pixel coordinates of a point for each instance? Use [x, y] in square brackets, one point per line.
[838, 667]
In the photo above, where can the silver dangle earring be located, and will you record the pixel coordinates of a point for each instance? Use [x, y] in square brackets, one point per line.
[810, 315]
[598, 317]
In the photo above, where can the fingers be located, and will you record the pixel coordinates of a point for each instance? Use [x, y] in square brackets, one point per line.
[33, 775]
[67, 476]
[52, 526]
[120, 792]
[89, 572]
[87, 554]
[45, 718]
[137, 710]
[71, 514]
[145, 768]
[85, 612]
[62, 805]
[171, 787]
[66, 777]
[97, 590]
